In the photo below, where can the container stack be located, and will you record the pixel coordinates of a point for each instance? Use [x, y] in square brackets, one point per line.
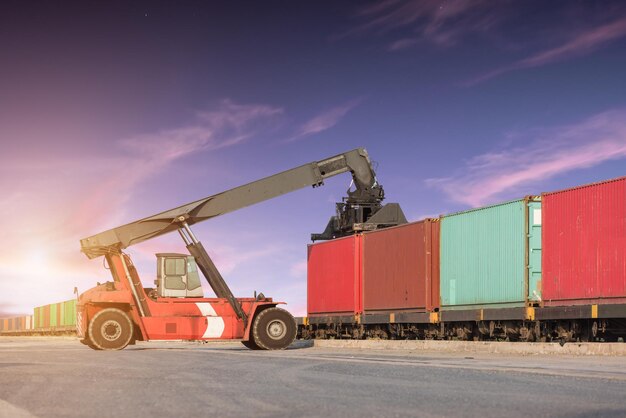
[495, 272]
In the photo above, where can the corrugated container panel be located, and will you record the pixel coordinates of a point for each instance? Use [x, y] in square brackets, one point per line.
[483, 257]
[69, 312]
[41, 323]
[46, 316]
[333, 277]
[73, 313]
[64, 312]
[584, 242]
[53, 315]
[38, 313]
[37, 317]
[401, 267]
[61, 314]
[2, 324]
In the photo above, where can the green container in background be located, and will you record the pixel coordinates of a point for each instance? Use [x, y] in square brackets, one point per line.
[39, 317]
[36, 318]
[61, 313]
[53, 315]
[69, 313]
[488, 255]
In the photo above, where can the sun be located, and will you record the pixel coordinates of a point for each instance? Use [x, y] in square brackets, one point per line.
[37, 259]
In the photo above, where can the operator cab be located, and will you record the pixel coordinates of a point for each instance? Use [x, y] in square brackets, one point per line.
[177, 276]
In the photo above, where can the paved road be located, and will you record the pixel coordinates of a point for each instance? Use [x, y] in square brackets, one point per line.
[60, 377]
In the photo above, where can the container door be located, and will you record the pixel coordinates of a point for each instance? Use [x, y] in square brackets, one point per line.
[334, 277]
[534, 251]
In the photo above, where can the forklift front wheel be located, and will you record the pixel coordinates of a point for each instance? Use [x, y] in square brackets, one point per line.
[110, 329]
[87, 341]
[274, 329]
[251, 345]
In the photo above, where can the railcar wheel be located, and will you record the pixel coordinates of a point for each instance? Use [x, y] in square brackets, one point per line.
[274, 329]
[110, 329]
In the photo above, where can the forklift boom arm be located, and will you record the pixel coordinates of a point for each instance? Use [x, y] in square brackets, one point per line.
[357, 162]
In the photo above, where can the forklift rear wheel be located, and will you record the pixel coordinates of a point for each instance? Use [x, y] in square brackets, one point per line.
[110, 329]
[274, 329]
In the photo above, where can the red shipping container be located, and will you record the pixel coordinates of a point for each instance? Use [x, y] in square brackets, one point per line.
[584, 244]
[333, 277]
[401, 268]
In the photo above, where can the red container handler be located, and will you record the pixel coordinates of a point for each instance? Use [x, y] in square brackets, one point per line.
[401, 268]
[584, 244]
[334, 277]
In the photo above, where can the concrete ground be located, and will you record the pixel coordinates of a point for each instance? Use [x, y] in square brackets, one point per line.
[51, 377]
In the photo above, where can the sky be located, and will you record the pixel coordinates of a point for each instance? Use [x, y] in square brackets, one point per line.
[112, 111]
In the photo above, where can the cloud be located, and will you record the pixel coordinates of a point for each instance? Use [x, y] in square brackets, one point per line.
[146, 155]
[440, 23]
[487, 177]
[578, 44]
[403, 44]
[574, 30]
[324, 120]
[229, 125]
[52, 202]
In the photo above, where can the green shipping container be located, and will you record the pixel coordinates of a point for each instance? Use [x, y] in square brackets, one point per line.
[491, 257]
[38, 317]
[69, 313]
[61, 314]
[53, 315]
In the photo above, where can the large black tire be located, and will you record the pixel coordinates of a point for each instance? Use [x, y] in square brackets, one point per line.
[87, 341]
[274, 329]
[251, 345]
[110, 329]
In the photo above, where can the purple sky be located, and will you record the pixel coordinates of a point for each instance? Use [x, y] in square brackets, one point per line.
[110, 112]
